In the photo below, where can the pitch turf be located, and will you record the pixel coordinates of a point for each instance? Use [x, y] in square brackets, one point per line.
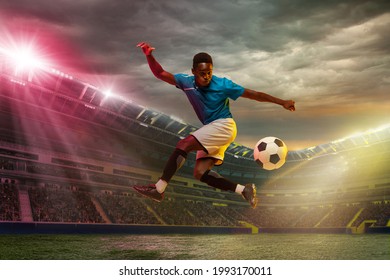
[195, 247]
[68, 247]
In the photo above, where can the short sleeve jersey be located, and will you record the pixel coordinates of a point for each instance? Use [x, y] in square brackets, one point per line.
[210, 103]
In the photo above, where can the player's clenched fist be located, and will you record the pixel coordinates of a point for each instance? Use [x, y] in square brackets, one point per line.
[146, 48]
[289, 105]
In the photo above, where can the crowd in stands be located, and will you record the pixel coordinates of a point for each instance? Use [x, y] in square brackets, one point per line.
[312, 217]
[340, 216]
[379, 212]
[124, 209]
[70, 204]
[9, 201]
[57, 204]
[192, 212]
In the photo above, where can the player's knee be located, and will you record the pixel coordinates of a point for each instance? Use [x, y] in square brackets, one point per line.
[189, 144]
[183, 144]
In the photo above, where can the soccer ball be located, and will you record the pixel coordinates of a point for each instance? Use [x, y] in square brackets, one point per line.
[270, 153]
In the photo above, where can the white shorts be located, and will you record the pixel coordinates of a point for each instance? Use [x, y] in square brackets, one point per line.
[215, 138]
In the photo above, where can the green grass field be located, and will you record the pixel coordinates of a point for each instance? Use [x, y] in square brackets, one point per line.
[195, 247]
[69, 247]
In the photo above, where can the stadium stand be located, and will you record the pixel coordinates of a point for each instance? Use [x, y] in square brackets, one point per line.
[9, 202]
[75, 153]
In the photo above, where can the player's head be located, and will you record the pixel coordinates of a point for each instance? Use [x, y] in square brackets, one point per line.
[202, 68]
[201, 57]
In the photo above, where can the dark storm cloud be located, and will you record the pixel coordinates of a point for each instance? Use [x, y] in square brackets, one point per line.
[260, 25]
[332, 57]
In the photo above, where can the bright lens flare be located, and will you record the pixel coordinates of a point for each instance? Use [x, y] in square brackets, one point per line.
[25, 59]
[108, 93]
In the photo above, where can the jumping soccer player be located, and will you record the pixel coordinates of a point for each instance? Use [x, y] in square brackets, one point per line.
[209, 95]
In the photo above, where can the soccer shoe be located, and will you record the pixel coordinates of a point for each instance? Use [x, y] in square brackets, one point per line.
[150, 191]
[249, 193]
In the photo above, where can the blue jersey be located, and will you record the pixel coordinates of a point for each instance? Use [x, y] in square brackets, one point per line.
[210, 103]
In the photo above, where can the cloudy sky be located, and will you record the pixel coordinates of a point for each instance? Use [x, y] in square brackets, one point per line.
[331, 57]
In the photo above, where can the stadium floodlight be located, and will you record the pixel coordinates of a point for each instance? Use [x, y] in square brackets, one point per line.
[25, 59]
[22, 60]
[107, 93]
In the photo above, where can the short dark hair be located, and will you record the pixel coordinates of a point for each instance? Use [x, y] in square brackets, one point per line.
[201, 57]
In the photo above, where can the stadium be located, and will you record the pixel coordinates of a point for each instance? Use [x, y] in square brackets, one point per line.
[69, 154]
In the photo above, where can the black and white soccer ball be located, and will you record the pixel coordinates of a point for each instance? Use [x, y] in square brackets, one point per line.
[270, 153]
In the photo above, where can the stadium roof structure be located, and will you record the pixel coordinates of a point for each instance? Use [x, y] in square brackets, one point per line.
[96, 106]
[358, 140]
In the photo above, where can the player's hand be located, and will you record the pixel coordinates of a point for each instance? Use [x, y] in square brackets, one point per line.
[289, 105]
[146, 48]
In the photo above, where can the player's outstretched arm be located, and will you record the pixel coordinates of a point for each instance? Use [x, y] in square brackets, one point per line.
[264, 97]
[155, 67]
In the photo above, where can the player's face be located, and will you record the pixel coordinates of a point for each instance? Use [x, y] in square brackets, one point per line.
[203, 73]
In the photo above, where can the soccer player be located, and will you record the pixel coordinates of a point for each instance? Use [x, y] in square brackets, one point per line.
[209, 95]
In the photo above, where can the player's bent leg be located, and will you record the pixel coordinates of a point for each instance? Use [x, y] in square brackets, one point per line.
[179, 156]
[174, 163]
[204, 173]
[215, 180]
[189, 144]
